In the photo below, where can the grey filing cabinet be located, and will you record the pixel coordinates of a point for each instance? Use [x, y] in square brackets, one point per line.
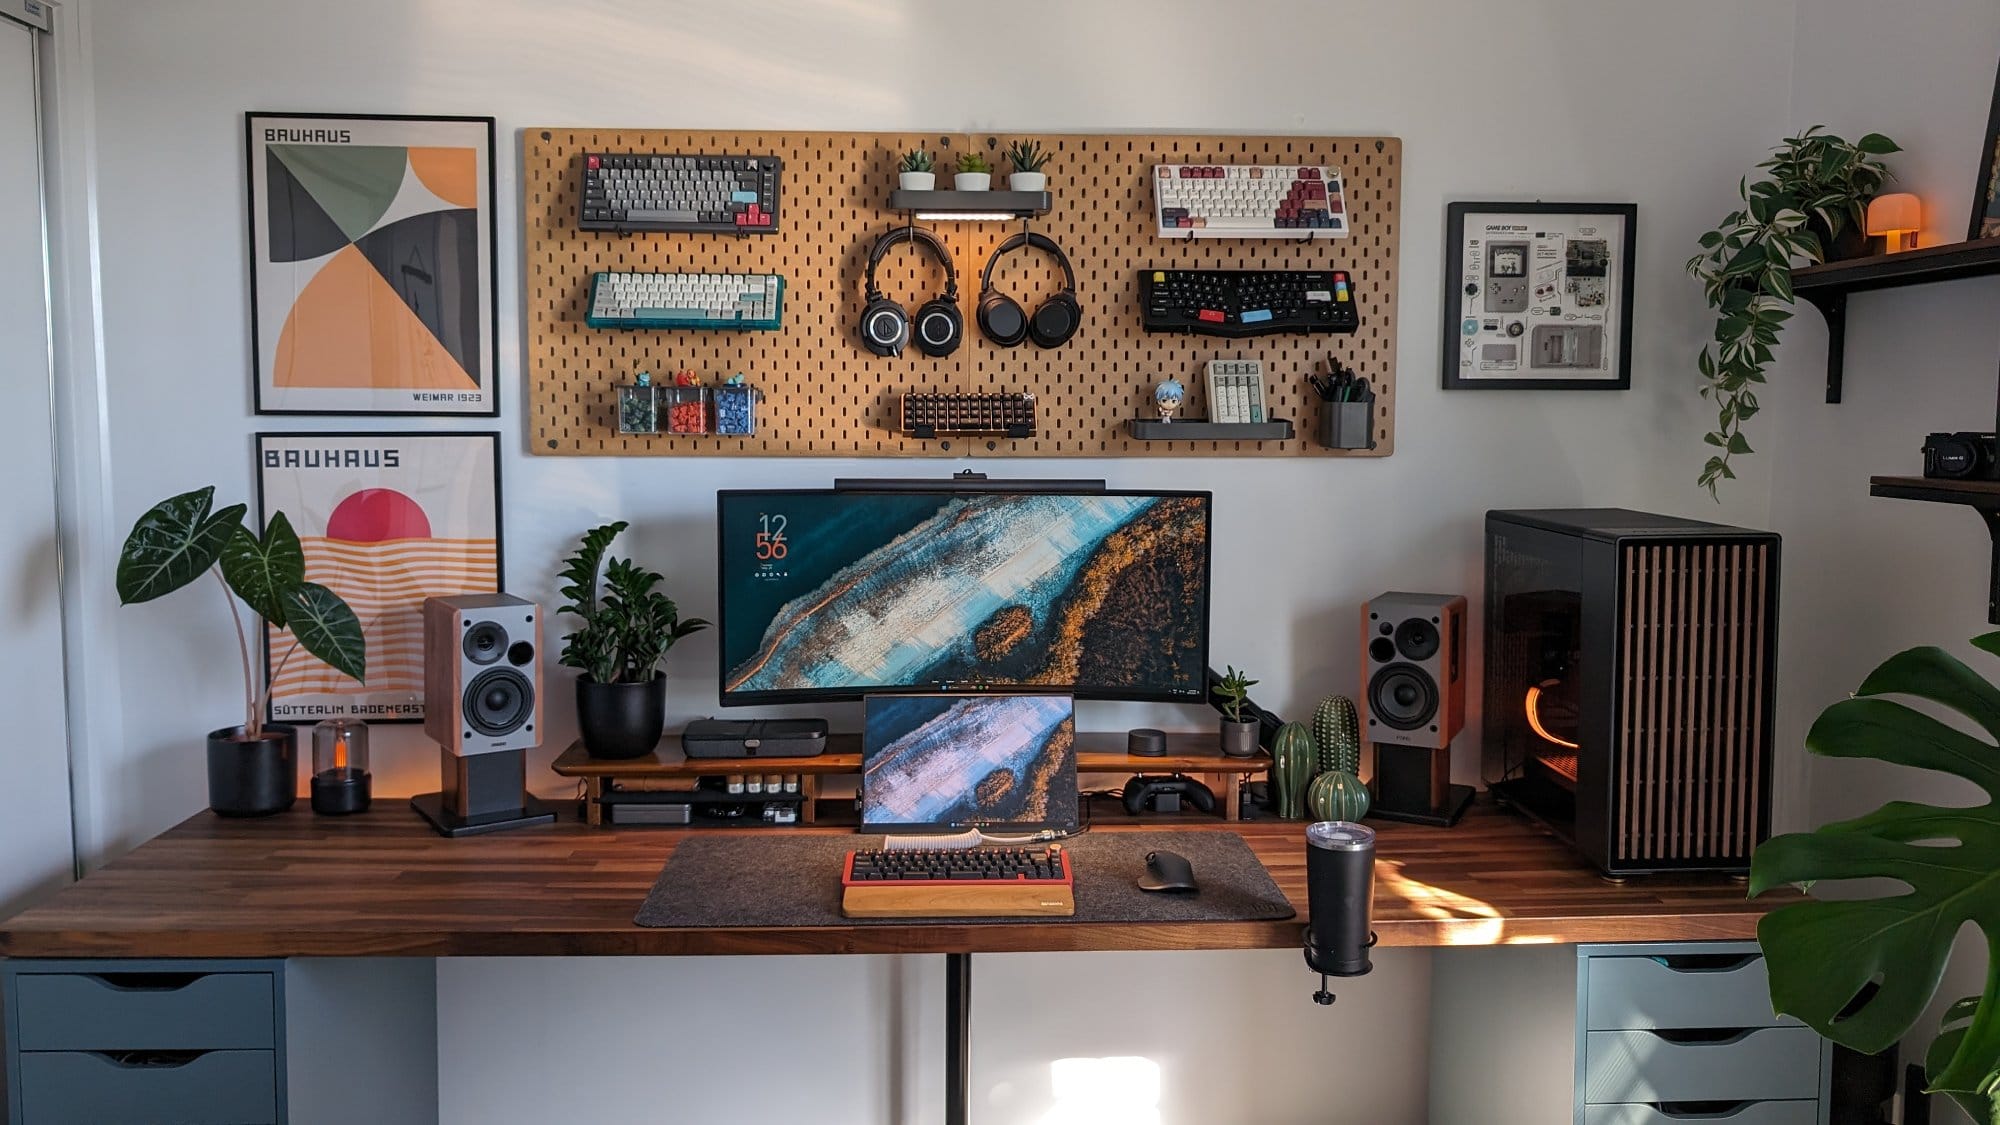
[1680, 1032]
[144, 1042]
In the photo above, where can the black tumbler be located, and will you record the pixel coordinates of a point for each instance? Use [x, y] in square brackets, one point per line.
[1340, 897]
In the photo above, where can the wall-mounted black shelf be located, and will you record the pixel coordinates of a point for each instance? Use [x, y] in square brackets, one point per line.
[947, 204]
[1201, 429]
[1982, 496]
[1827, 286]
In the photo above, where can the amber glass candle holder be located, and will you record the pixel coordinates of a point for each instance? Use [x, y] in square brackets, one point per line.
[340, 781]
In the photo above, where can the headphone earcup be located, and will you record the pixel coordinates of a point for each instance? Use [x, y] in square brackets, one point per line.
[938, 327]
[1001, 319]
[1056, 321]
[885, 327]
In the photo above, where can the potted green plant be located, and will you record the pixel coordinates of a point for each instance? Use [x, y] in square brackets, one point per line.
[1810, 206]
[1028, 160]
[1239, 737]
[252, 768]
[628, 627]
[974, 173]
[916, 172]
[1861, 970]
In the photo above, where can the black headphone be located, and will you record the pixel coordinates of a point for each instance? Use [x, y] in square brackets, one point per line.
[1000, 316]
[938, 325]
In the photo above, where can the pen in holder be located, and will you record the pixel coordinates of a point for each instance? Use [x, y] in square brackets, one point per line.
[1346, 409]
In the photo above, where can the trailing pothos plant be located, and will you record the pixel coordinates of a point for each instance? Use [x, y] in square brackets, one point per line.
[1814, 190]
[628, 627]
[1860, 971]
[180, 538]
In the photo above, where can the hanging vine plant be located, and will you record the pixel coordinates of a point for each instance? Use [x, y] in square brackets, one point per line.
[1809, 206]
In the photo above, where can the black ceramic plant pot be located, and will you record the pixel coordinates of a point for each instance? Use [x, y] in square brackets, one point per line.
[1851, 242]
[621, 720]
[1239, 740]
[252, 777]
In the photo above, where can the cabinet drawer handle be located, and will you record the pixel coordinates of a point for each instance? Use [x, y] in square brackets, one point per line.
[148, 1060]
[1704, 962]
[1703, 1036]
[1701, 1111]
[146, 982]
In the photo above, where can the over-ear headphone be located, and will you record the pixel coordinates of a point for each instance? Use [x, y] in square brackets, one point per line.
[1000, 316]
[938, 326]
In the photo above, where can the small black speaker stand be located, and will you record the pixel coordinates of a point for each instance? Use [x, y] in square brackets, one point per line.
[1412, 784]
[481, 793]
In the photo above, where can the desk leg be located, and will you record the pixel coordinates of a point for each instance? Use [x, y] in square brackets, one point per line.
[957, 1038]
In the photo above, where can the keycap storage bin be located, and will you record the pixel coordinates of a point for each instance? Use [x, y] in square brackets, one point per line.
[735, 409]
[687, 409]
[638, 408]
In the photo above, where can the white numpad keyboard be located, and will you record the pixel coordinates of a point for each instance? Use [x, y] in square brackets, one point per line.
[1248, 201]
[686, 300]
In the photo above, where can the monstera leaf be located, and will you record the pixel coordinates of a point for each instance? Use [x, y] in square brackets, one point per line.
[173, 543]
[1822, 953]
[327, 628]
[265, 572]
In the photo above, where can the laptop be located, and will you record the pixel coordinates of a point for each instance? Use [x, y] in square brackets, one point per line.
[947, 763]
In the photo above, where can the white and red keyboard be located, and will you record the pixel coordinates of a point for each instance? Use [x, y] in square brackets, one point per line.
[1248, 201]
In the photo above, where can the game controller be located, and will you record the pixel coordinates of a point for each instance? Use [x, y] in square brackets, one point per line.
[1165, 794]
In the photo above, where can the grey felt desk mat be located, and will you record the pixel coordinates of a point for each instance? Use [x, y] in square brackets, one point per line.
[778, 881]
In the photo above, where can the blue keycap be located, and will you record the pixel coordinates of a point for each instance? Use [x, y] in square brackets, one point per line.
[743, 197]
[670, 314]
[1253, 316]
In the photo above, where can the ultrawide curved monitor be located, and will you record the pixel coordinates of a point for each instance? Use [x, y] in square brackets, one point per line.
[837, 594]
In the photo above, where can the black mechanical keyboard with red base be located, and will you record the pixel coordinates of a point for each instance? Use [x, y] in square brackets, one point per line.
[958, 883]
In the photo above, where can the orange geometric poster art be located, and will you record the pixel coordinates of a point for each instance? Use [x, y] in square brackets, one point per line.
[372, 284]
[386, 520]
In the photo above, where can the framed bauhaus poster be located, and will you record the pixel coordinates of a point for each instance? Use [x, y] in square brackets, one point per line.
[385, 520]
[371, 264]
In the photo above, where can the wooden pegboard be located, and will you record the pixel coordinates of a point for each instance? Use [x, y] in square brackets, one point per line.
[827, 396]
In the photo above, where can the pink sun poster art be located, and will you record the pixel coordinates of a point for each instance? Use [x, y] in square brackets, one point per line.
[385, 520]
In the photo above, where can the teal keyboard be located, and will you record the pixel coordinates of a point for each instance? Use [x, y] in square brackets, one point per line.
[730, 301]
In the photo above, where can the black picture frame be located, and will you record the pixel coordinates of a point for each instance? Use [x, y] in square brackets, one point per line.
[490, 338]
[1986, 190]
[494, 449]
[1453, 356]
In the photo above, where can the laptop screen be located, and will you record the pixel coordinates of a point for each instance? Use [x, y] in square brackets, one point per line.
[940, 763]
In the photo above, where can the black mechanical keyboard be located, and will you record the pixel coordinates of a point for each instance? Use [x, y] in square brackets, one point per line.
[1239, 303]
[957, 883]
[679, 194]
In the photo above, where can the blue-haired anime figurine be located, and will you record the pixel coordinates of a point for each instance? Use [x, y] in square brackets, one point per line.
[1167, 395]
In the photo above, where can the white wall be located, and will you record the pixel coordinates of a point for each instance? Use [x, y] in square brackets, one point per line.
[1866, 577]
[1661, 104]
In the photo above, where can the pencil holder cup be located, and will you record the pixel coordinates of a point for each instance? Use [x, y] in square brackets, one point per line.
[1347, 425]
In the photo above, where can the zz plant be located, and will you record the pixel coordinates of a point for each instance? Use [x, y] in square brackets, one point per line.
[629, 626]
[180, 538]
[1861, 970]
[1814, 187]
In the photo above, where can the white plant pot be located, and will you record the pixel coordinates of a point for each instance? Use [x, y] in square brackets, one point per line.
[1028, 181]
[917, 181]
[972, 181]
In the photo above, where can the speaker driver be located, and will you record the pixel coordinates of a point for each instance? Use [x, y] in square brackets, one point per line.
[485, 642]
[498, 701]
[1417, 639]
[1402, 696]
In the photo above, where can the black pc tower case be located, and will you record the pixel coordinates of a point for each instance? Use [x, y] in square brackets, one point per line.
[1629, 668]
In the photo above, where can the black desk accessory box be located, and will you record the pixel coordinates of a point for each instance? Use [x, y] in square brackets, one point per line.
[754, 738]
[1630, 660]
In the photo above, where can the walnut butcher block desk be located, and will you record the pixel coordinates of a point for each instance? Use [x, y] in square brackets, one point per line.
[383, 884]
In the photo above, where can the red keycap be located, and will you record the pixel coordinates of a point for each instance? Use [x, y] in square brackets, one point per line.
[1340, 275]
[1188, 173]
[1184, 222]
[1214, 315]
[590, 162]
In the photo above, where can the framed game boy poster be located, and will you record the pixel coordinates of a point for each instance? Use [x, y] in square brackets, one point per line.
[1538, 296]
[372, 288]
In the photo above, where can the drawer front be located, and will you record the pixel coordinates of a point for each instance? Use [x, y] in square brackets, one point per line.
[145, 1011]
[1765, 1064]
[1749, 1113]
[214, 1088]
[1628, 993]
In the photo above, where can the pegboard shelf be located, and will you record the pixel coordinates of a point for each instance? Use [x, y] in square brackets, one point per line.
[1201, 429]
[954, 205]
[827, 396]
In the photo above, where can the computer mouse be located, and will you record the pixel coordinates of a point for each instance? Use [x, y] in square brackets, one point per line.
[1168, 871]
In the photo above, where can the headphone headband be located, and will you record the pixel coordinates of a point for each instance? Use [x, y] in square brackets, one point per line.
[924, 238]
[1040, 242]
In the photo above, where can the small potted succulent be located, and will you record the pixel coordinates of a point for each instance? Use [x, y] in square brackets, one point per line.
[1239, 736]
[252, 768]
[1028, 160]
[621, 697]
[974, 173]
[917, 172]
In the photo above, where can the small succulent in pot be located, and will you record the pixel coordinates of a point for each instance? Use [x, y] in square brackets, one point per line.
[1239, 737]
[917, 171]
[974, 173]
[1028, 160]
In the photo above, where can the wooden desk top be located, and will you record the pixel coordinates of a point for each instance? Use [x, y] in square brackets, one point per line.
[382, 884]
